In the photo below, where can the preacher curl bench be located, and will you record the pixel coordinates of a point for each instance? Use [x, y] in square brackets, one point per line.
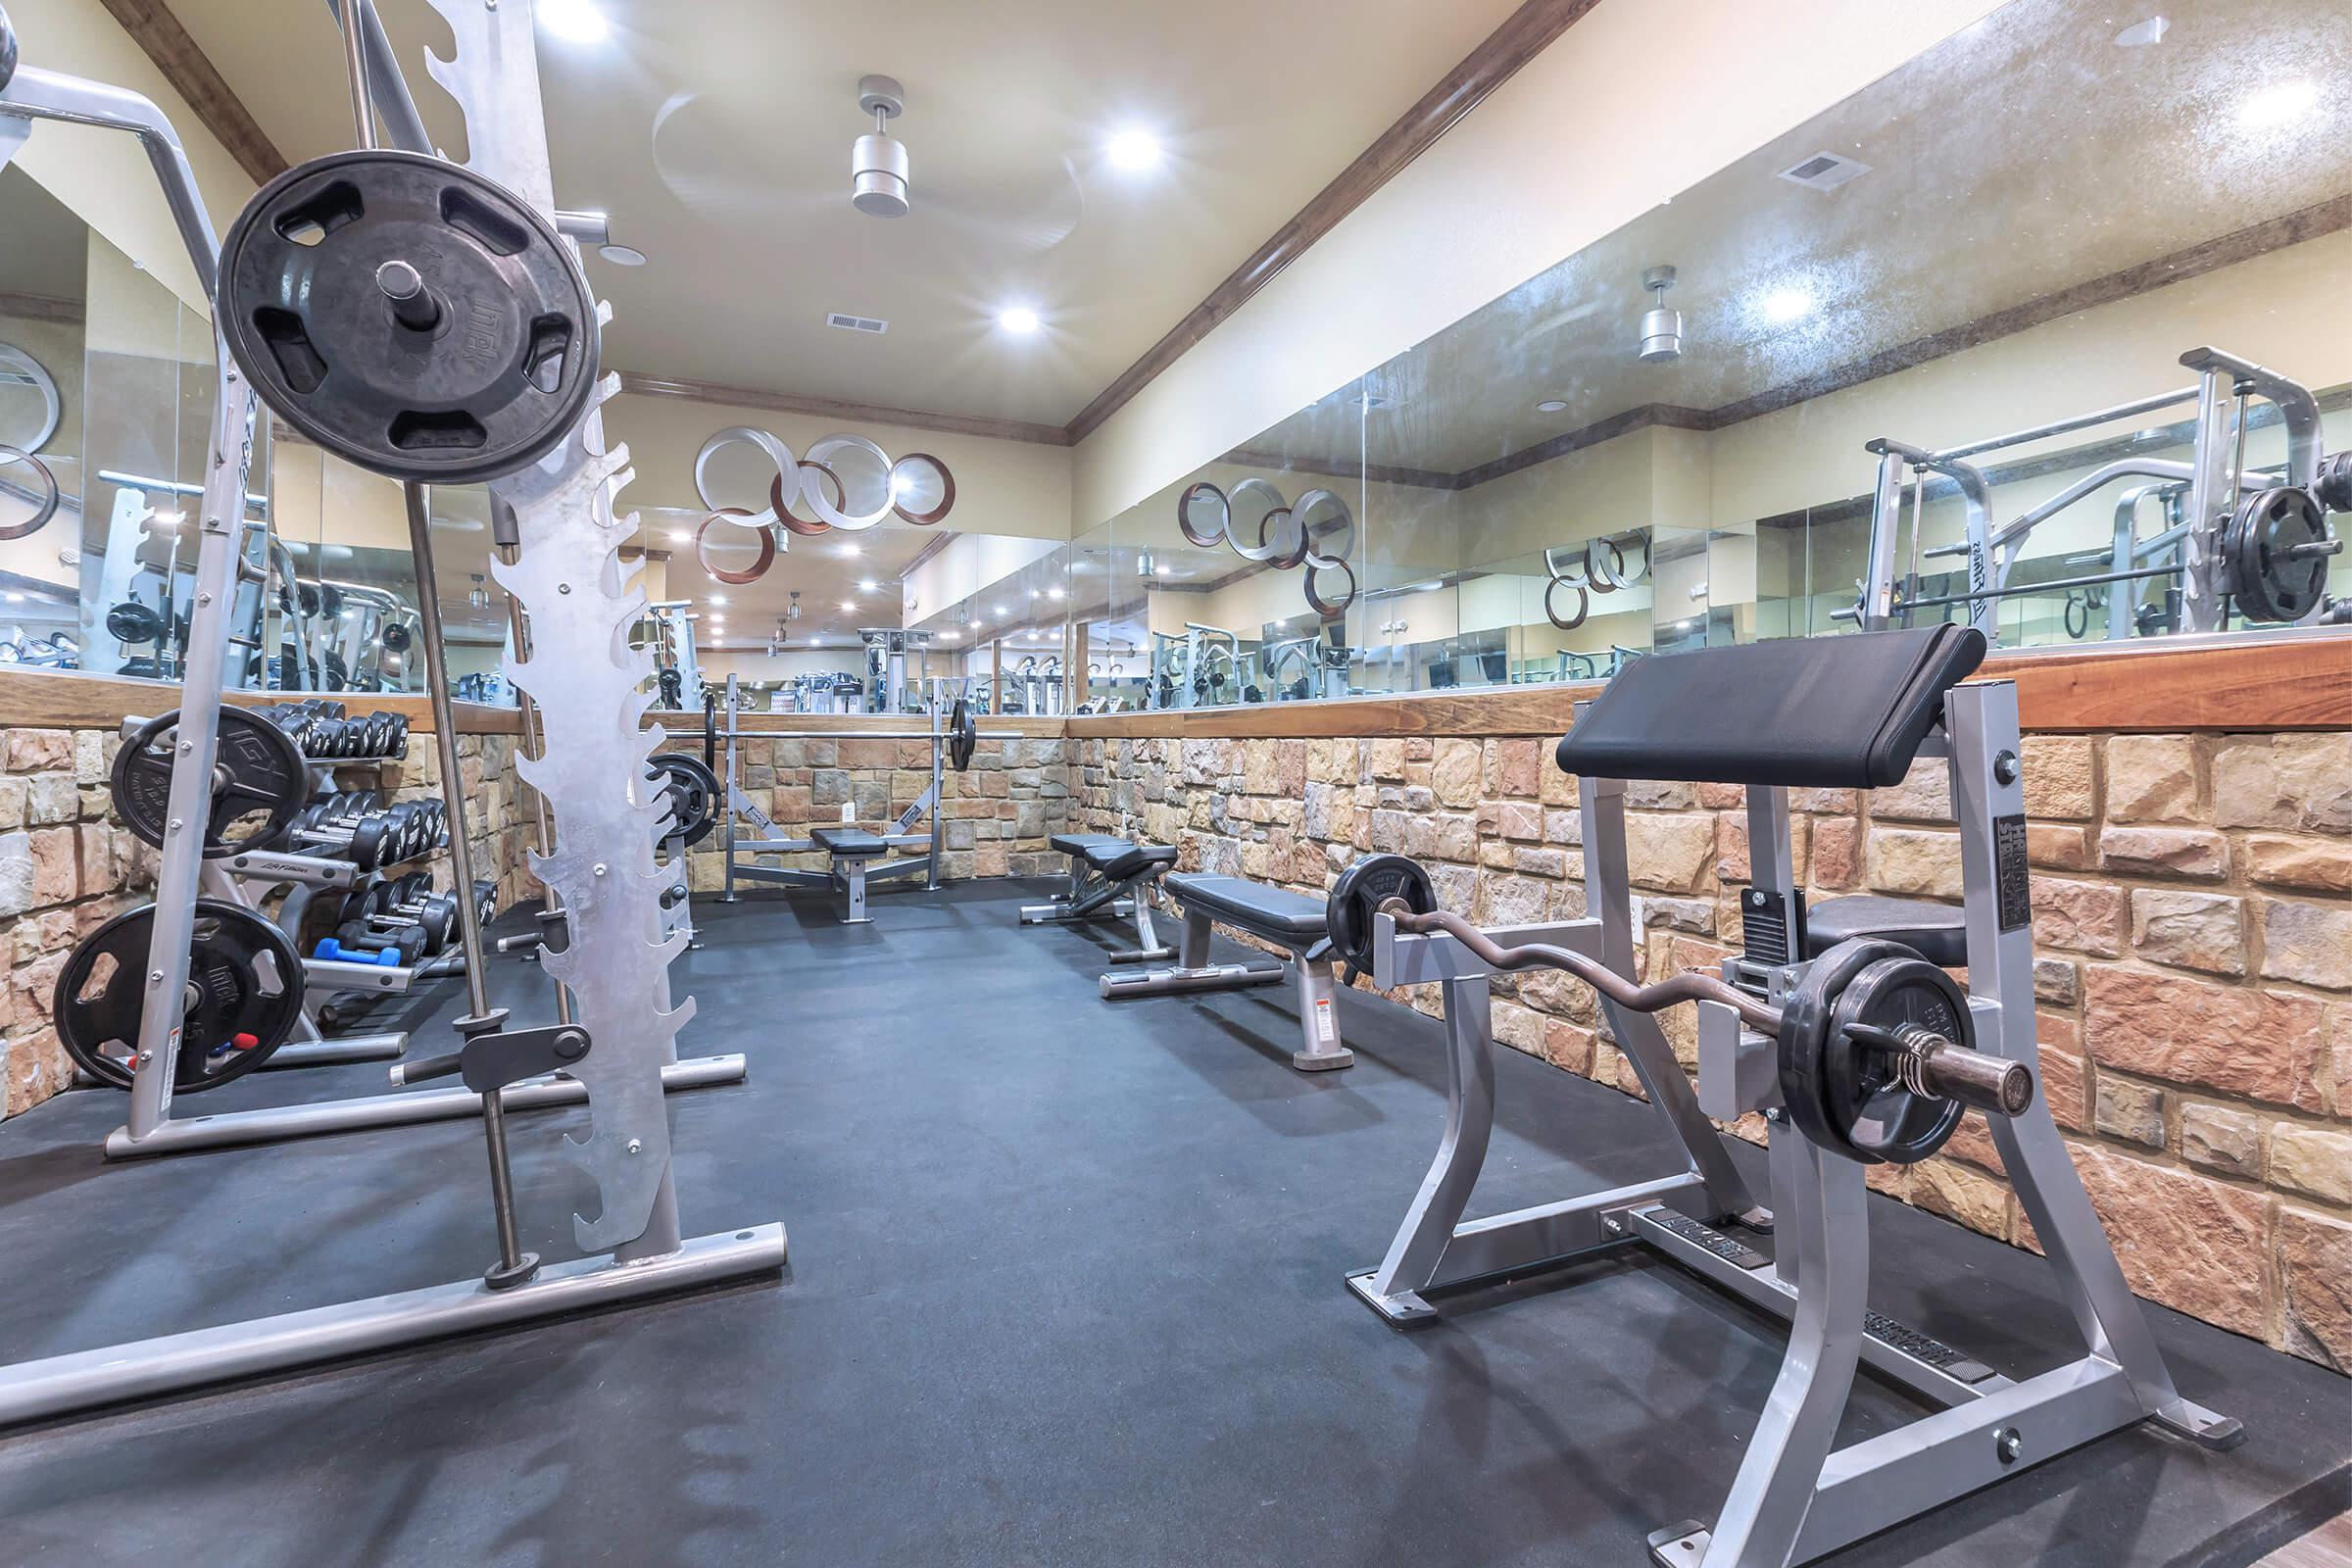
[1840, 1026]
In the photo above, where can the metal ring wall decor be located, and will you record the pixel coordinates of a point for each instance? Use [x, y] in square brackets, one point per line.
[50, 496]
[1282, 535]
[813, 482]
[1602, 573]
[25, 365]
[743, 516]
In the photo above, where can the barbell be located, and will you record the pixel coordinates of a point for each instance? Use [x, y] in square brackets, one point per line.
[1877, 1057]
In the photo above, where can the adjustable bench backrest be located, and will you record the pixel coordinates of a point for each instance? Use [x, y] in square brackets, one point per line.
[1807, 712]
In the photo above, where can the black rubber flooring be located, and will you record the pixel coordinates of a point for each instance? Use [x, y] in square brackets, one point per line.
[1065, 1288]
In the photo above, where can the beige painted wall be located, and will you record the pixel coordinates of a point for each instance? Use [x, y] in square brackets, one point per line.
[1505, 194]
[103, 174]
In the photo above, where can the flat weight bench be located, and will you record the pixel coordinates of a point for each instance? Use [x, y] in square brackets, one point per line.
[1292, 921]
[850, 847]
[1110, 877]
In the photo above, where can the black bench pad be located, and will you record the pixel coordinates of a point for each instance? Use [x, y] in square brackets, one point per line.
[1079, 843]
[1276, 913]
[1118, 859]
[1939, 931]
[850, 843]
[1809, 713]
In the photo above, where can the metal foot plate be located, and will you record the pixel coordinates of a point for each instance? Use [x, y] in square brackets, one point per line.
[1679, 1545]
[1403, 1310]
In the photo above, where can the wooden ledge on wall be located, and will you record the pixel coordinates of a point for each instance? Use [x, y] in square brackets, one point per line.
[65, 699]
[2294, 681]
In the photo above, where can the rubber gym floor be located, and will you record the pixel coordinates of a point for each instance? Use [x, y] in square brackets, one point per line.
[1065, 1288]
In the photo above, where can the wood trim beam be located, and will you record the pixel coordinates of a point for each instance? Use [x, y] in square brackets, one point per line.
[64, 699]
[657, 386]
[194, 78]
[43, 308]
[2297, 682]
[1525, 34]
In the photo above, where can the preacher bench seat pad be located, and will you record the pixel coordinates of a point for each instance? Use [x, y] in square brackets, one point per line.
[1808, 713]
[1268, 912]
[1938, 931]
[852, 843]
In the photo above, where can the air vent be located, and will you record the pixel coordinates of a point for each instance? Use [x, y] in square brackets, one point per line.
[855, 323]
[1825, 171]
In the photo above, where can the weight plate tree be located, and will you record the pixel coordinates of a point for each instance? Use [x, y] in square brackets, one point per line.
[243, 994]
[410, 315]
[257, 768]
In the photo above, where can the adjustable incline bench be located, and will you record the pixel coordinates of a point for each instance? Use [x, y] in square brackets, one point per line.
[1292, 921]
[1111, 876]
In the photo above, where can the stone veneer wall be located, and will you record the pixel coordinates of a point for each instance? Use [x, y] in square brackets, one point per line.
[2192, 906]
[67, 866]
[997, 815]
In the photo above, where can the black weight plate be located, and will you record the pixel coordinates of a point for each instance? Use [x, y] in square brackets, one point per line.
[231, 997]
[693, 795]
[133, 622]
[2270, 583]
[498, 378]
[1880, 1119]
[963, 735]
[1804, 1038]
[1358, 894]
[256, 771]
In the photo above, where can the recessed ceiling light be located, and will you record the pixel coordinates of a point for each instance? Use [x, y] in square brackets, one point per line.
[849, 550]
[2141, 34]
[621, 255]
[1786, 304]
[679, 536]
[16, 599]
[866, 585]
[849, 607]
[1133, 149]
[575, 21]
[1550, 405]
[2278, 103]
[1017, 318]
[718, 599]
[1165, 569]
[1053, 593]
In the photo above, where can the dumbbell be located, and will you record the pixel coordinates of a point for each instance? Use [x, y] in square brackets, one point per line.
[407, 901]
[354, 943]
[378, 837]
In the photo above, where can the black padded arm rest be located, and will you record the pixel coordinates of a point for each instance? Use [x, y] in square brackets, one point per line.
[1810, 713]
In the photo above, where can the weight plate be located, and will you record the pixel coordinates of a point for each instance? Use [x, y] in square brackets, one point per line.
[133, 622]
[2272, 581]
[963, 735]
[1356, 897]
[499, 372]
[693, 791]
[244, 993]
[256, 771]
[1880, 1119]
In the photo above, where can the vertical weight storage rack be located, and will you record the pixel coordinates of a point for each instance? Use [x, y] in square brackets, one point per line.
[636, 1248]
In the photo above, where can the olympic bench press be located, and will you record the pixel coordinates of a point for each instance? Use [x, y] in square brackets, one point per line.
[1111, 876]
[1292, 921]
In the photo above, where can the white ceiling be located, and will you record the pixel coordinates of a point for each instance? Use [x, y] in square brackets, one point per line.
[718, 134]
[2080, 157]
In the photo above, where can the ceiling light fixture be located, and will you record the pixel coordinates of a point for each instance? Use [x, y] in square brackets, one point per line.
[1661, 328]
[573, 21]
[878, 161]
[866, 585]
[478, 596]
[1790, 303]
[718, 599]
[2278, 103]
[621, 255]
[1133, 150]
[849, 607]
[1018, 320]
[1550, 405]
[2141, 34]
[1054, 593]
[679, 536]
[849, 550]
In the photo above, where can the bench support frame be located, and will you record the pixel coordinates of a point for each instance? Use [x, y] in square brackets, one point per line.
[1317, 973]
